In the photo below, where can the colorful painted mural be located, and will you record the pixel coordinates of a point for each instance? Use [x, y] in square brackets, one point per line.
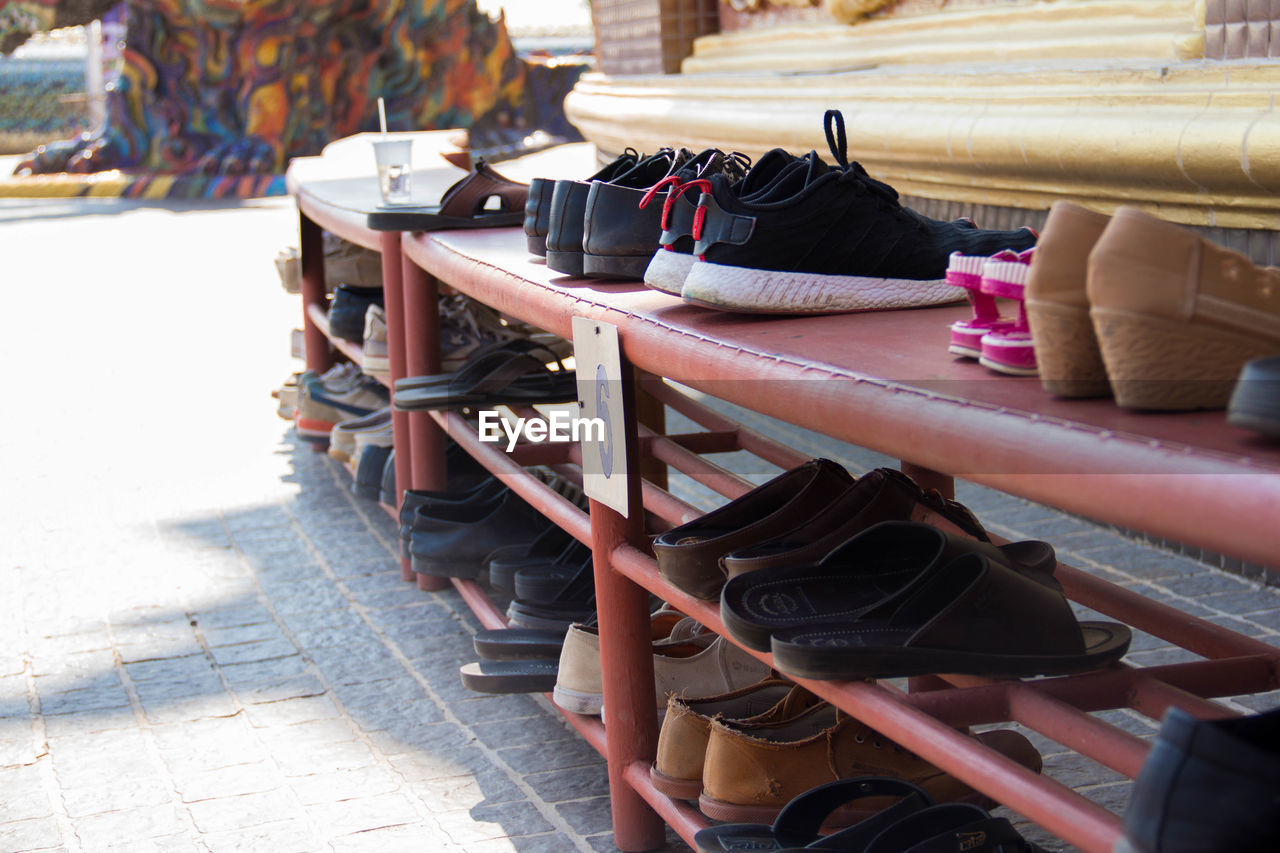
[226, 89]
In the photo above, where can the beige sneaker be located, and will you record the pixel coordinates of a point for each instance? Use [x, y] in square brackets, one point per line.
[686, 657]
[1057, 304]
[376, 358]
[345, 439]
[1177, 316]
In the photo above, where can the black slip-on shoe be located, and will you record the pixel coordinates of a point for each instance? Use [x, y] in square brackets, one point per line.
[537, 208]
[370, 465]
[622, 223]
[1207, 786]
[569, 201]
[842, 243]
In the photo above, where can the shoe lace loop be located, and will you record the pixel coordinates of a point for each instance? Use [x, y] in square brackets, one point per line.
[677, 188]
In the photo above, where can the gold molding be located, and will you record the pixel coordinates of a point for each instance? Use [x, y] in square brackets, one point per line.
[1065, 29]
[1195, 142]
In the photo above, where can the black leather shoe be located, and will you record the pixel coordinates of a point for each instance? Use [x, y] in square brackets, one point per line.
[569, 205]
[1207, 787]
[537, 208]
[622, 223]
[347, 310]
[456, 540]
[426, 500]
[369, 468]
[387, 491]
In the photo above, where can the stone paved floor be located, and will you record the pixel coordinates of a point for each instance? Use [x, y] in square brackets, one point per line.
[204, 641]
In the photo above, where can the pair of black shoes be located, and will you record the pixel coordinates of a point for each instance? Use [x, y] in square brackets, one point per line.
[609, 225]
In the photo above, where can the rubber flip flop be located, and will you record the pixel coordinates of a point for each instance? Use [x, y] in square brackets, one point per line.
[510, 676]
[800, 822]
[865, 572]
[947, 828]
[505, 644]
[463, 205]
[971, 616]
[496, 378]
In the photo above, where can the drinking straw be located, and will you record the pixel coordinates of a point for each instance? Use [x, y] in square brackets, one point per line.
[382, 115]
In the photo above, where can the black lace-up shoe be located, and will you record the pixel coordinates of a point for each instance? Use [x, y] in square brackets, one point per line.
[621, 229]
[777, 171]
[841, 243]
[537, 208]
[569, 204]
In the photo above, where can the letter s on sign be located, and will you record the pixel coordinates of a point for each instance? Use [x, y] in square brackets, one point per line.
[602, 412]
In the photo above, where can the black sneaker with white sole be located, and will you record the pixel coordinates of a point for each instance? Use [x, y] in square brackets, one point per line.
[778, 171]
[841, 243]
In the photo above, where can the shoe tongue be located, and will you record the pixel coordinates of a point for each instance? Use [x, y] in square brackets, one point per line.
[705, 163]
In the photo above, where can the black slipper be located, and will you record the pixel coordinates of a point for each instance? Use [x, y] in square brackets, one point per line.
[873, 565]
[510, 676]
[498, 377]
[971, 616]
[946, 828]
[799, 823]
[507, 644]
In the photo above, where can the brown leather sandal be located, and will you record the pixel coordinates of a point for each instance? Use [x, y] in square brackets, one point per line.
[463, 205]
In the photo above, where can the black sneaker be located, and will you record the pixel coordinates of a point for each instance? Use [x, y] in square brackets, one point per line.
[842, 243]
[620, 230]
[347, 310]
[569, 204]
[537, 208]
[777, 171]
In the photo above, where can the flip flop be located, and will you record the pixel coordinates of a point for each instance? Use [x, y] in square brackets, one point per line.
[463, 205]
[507, 644]
[971, 616]
[799, 823]
[497, 377]
[881, 561]
[947, 828]
[510, 676]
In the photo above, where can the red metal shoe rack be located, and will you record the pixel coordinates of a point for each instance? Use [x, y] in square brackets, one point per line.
[882, 381]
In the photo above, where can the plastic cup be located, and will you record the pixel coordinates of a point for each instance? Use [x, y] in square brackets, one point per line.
[395, 169]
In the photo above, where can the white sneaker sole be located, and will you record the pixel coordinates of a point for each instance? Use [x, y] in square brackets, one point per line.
[668, 270]
[772, 292]
[577, 702]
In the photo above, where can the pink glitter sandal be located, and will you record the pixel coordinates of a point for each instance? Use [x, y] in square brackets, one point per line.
[1008, 349]
[966, 335]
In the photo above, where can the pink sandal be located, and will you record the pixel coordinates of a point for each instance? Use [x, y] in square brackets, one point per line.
[1008, 349]
[966, 335]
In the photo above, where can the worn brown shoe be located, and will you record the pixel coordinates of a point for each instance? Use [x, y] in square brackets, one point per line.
[880, 495]
[682, 741]
[689, 555]
[752, 770]
[1057, 303]
[1176, 315]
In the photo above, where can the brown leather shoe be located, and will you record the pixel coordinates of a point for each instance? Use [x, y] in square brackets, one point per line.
[689, 555]
[1176, 315]
[752, 770]
[682, 741]
[880, 495]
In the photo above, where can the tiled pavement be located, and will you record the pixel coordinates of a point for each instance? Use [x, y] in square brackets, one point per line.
[204, 641]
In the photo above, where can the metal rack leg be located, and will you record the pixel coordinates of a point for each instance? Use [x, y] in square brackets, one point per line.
[319, 356]
[393, 297]
[631, 722]
[420, 329]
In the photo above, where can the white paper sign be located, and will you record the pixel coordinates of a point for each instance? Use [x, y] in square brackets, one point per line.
[598, 361]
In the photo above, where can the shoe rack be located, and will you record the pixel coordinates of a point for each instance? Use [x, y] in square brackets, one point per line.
[882, 381]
